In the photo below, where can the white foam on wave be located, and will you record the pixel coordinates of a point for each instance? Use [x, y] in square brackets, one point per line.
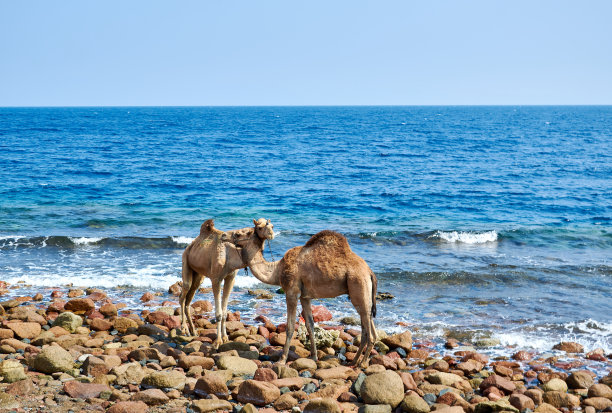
[85, 240]
[466, 237]
[183, 240]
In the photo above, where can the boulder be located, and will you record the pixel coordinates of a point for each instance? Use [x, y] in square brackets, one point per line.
[11, 371]
[25, 330]
[323, 338]
[320, 313]
[167, 379]
[237, 365]
[554, 385]
[383, 388]
[340, 372]
[521, 402]
[212, 384]
[546, 408]
[128, 373]
[580, 380]
[68, 321]
[211, 405]
[569, 347]
[322, 406]
[52, 359]
[496, 406]
[600, 390]
[447, 379]
[502, 383]
[151, 397]
[401, 340]
[413, 403]
[128, 407]
[80, 305]
[599, 403]
[78, 390]
[304, 364]
[256, 392]
[122, 324]
[560, 399]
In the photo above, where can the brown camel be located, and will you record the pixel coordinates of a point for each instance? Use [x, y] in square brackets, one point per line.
[212, 255]
[324, 267]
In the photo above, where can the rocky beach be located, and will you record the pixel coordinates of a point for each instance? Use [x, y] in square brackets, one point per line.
[66, 349]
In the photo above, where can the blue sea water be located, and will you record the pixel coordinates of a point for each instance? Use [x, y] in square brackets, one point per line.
[475, 218]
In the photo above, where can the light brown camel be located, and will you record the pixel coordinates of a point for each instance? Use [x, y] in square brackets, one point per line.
[211, 255]
[324, 267]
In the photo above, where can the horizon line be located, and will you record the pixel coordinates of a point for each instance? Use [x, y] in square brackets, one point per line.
[298, 106]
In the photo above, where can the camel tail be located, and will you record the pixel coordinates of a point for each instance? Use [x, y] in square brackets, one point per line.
[374, 288]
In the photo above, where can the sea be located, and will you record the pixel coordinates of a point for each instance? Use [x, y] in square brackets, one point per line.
[482, 222]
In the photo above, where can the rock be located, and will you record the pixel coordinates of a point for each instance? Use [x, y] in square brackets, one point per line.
[383, 388]
[172, 322]
[320, 313]
[20, 388]
[256, 392]
[233, 345]
[375, 408]
[304, 364]
[339, 372]
[413, 403]
[401, 340]
[322, 406]
[559, 399]
[175, 289]
[265, 374]
[11, 371]
[80, 305]
[323, 338]
[546, 408]
[580, 380]
[8, 402]
[600, 390]
[122, 324]
[554, 385]
[285, 402]
[151, 397]
[52, 359]
[78, 390]
[186, 362]
[108, 309]
[128, 407]
[68, 321]
[521, 402]
[599, 403]
[238, 365]
[497, 406]
[98, 324]
[507, 386]
[451, 409]
[146, 297]
[170, 379]
[128, 373]
[94, 366]
[211, 405]
[284, 372]
[470, 366]
[212, 384]
[25, 330]
[569, 347]
[447, 379]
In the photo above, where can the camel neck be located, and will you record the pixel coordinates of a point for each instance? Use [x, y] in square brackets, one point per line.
[265, 271]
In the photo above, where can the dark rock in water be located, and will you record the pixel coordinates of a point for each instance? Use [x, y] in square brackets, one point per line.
[569, 347]
[384, 296]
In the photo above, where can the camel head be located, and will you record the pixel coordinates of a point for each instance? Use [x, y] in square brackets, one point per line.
[264, 229]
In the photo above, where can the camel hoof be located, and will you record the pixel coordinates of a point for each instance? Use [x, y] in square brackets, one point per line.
[217, 343]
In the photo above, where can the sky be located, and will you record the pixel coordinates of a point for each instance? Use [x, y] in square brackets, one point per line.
[430, 52]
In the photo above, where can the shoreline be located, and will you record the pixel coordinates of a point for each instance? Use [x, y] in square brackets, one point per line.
[114, 355]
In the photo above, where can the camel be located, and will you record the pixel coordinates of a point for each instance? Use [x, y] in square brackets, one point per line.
[325, 267]
[212, 255]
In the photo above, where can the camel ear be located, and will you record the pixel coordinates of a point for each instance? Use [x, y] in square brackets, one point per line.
[268, 221]
[255, 222]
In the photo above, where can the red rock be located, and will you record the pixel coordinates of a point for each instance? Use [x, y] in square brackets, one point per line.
[94, 314]
[472, 355]
[521, 402]
[157, 317]
[128, 407]
[151, 397]
[186, 362]
[108, 309]
[212, 384]
[25, 330]
[401, 340]
[78, 390]
[6, 333]
[470, 366]
[38, 297]
[569, 347]
[502, 371]
[264, 374]
[408, 380]
[320, 313]
[80, 305]
[57, 306]
[521, 356]
[173, 321]
[348, 397]
[94, 366]
[384, 361]
[419, 354]
[147, 297]
[535, 395]
[256, 392]
[202, 306]
[176, 288]
[264, 332]
[493, 393]
[20, 388]
[500, 382]
[99, 324]
[97, 295]
[56, 294]
[294, 383]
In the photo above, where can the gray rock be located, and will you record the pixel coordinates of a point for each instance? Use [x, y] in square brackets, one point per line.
[52, 359]
[69, 321]
[383, 388]
[11, 371]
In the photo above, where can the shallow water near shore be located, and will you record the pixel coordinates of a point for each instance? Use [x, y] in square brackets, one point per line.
[495, 221]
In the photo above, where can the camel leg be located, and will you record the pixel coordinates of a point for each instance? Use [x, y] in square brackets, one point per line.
[228, 285]
[371, 340]
[193, 288]
[216, 287]
[291, 310]
[187, 275]
[307, 312]
[362, 343]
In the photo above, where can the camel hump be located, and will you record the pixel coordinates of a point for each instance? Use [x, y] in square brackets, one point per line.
[327, 238]
[207, 227]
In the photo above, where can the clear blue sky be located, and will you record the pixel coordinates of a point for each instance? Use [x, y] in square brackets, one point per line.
[305, 52]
